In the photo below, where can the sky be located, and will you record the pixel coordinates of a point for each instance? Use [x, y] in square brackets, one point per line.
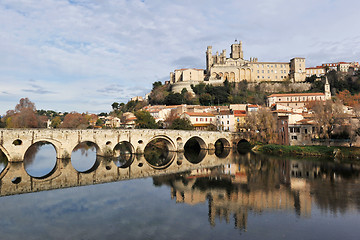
[83, 55]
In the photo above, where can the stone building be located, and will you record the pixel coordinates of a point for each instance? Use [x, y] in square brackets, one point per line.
[235, 69]
[299, 100]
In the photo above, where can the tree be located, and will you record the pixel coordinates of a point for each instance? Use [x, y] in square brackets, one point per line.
[24, 116]
[182, 124]
[348, 99]
[115, 106]
[262, 125]
[327, 116]
[205, 99]
[55, 122]
[170, 119]
[75, 120]
[174, 99]
[145, 120]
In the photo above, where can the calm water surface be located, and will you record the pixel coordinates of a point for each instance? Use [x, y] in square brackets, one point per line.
[248, 197]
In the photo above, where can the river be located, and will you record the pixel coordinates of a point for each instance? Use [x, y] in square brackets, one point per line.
[232, 196]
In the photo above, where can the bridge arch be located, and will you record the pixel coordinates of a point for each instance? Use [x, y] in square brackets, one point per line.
[98, 149]
[54, 142]
[160, 152]
[169, 142]
[199, 140]
[77, 159]
[3, 150]
[124, 154]
[37, 162]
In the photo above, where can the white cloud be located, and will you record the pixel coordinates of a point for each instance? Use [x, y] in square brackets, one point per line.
[76, 50]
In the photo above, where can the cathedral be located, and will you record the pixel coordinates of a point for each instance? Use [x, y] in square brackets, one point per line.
[235, 69]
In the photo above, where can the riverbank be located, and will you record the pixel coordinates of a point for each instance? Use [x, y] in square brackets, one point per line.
[350, 153]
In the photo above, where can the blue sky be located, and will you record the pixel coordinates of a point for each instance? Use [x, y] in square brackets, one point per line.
[83, 55]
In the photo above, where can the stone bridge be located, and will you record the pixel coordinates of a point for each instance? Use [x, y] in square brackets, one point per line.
[15, 142]
[15, 180]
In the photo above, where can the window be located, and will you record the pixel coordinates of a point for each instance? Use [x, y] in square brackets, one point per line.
[305, 130]
[294, 137]
[227, 122]
[196, 119]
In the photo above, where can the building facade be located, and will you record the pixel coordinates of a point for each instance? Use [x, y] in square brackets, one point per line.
[235, 69]
[299, 100]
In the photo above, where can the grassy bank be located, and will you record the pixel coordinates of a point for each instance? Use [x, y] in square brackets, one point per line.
[310, 151]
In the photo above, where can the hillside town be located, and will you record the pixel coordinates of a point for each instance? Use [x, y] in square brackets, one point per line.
[275, 102]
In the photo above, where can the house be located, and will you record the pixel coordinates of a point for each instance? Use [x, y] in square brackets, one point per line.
[240, 120]
[200, 121]
[225, 121]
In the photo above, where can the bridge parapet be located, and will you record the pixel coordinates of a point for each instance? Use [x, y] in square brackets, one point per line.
[15, 142]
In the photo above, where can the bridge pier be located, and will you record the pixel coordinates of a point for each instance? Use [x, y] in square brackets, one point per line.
[15, 142]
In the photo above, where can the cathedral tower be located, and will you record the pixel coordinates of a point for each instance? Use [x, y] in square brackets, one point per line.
[327, 89]
[236, 50]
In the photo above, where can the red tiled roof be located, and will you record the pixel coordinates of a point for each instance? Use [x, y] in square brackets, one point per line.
[239, 112]
[295, 94]
[200, 114]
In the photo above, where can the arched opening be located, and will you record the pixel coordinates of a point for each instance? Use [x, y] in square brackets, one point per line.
[83, 157]
[159, 153]
[179, 143]
[108, 143]
[123, 154]
[222, 148]
[194, 150]
[3, 161]
[17, 142]
[243, 146]
[40, 159]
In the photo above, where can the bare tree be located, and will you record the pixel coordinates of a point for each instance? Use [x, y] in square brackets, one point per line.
[262, 125]
[328, 116]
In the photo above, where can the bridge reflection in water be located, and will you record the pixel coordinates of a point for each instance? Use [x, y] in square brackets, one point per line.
[41, 170]
[232, 185]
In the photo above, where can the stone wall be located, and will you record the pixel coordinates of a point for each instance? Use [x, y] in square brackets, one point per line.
[277, 87]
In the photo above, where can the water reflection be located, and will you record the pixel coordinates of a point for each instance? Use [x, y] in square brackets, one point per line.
[243, 191]
[123, 155]
[83, 157]
[3, 161]
[157, 153]
[193, 152]
[40, 159]
[255, 183]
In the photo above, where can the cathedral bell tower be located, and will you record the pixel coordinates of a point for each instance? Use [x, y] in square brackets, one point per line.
[327, 89]
[236, 50]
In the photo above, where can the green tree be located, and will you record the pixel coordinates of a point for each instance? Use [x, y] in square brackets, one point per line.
[174, 99]
[55, 122]
[182, 124]
[145, 120]
[115, 106]
[205, 99]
